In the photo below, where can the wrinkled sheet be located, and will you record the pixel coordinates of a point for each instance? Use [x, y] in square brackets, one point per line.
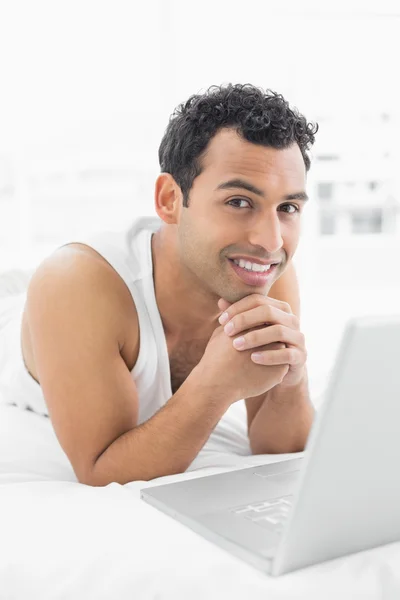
[60, 539]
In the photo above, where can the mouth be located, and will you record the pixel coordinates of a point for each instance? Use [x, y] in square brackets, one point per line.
[254, 278]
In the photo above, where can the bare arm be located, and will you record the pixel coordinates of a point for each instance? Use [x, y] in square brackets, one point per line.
[75, 306]
[280, 420]
[283, 422]
[168, 442]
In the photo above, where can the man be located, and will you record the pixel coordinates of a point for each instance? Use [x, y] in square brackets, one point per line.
[102, 326]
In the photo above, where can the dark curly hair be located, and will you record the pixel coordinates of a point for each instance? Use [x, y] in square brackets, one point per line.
[261, 117]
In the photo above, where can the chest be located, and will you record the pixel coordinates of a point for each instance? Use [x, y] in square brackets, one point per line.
[183, 357]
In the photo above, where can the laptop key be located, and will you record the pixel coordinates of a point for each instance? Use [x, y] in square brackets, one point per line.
[270, 513]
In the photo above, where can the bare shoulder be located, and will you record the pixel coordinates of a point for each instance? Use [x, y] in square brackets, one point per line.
[77, 270]
[78, 310]
[113, 283]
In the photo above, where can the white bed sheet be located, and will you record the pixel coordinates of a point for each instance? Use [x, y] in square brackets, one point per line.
[60, 539]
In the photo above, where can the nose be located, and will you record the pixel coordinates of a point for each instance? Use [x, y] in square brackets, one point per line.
[267, 234]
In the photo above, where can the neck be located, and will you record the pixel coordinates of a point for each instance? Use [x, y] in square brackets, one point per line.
[186, 311]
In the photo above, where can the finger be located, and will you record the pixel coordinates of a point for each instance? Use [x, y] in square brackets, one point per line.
[262, 315]
[268, 335]
[223, 304]
[287, 356]
[253, 302]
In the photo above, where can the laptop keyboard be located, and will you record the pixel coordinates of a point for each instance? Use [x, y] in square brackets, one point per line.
[269, 513]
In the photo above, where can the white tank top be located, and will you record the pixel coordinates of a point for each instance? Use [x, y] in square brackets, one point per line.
[129, 253]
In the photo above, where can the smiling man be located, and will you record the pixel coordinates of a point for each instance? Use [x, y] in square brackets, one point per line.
[121, 338]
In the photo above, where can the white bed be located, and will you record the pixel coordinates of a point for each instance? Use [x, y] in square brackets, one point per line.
[60, 539]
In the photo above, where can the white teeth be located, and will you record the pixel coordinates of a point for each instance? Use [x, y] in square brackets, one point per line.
[245, 264]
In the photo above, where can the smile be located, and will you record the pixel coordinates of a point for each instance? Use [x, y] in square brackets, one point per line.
[254, 278]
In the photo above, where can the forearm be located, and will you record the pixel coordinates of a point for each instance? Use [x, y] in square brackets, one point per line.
[283, 422]
[168, 442]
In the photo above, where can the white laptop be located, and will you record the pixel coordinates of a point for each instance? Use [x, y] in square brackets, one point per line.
[342, 496]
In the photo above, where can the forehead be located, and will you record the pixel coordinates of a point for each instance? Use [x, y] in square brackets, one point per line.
[230, 154]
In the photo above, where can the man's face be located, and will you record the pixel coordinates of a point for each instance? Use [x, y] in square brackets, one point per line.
[220, 223]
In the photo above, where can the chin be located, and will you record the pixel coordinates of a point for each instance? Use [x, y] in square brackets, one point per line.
[233, 298]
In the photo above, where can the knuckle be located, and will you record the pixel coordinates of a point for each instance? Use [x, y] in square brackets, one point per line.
[253, 338]
[290, 355]
[271, 311]
[286, 307]
[250, 338]
[238, 322]
[259, 336]
[296, 321]
[280, 330]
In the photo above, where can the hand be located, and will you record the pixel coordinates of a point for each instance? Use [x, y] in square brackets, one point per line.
[278, 324]
[232, 375]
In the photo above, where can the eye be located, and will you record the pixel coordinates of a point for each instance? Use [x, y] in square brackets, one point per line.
[294, 206]
[237, 200]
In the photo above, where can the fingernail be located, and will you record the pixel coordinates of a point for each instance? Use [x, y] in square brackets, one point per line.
[238, 342]
[223, 318]
[229, 328]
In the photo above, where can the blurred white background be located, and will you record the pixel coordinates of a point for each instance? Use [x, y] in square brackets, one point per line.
[87, 88]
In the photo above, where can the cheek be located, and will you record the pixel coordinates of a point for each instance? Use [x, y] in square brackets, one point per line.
[293, 244]
[291, 238]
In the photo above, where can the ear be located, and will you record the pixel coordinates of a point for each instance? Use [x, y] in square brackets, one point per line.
[168, 201]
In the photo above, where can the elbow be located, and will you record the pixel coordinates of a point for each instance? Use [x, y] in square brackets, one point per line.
[96, 479]
[95, 476]
[276, 446]
[92, 475]
[87, 477]
[98, 476]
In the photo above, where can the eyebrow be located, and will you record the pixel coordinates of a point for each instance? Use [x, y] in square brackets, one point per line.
[244, 185]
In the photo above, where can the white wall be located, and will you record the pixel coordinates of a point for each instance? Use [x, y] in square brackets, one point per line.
[87, 88]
